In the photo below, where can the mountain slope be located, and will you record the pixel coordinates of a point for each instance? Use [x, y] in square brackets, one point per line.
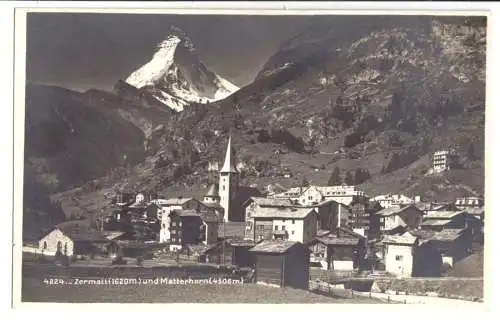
[176, 76]
[73, 138]
[330, 99]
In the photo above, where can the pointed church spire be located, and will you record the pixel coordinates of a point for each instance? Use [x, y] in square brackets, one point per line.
[229, 160]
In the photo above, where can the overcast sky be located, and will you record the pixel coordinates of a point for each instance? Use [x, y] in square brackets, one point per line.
[82, 51]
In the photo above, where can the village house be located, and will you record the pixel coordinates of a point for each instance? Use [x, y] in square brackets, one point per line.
[294, 224]
[341, 249]
[438, 250]
[234, 252]
[469, 202]
[443, 160]
[75, 237]
[439, 220]
[170, 205]
[393, 200]
[189, 227]
[312, 195]
[364, 218]
[398, 254]
[55, 243]
[408, 217]
[430, 207]
[282, 263]
[330, 213]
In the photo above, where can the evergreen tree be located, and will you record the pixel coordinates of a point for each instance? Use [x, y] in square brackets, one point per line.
[471, 152]
[349, 180]
[335, 178]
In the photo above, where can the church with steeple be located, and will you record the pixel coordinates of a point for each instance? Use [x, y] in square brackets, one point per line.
[229, 186]
[228, 194]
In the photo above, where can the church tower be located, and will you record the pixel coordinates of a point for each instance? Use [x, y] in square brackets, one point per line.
[228, 185]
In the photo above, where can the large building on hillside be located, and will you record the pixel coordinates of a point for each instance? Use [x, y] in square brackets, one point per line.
[443, 160]
[312, 195]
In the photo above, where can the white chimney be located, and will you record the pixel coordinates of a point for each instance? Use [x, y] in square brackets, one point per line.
[417, 199]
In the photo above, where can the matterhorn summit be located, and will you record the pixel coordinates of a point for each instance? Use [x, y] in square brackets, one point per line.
[176, 76]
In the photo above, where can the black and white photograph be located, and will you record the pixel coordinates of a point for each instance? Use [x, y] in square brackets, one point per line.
[246, 158]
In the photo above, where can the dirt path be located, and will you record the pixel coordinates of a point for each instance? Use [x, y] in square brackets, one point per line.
[414, 299]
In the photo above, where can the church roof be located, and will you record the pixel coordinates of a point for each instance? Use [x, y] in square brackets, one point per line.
[213, 191]
[229, 165]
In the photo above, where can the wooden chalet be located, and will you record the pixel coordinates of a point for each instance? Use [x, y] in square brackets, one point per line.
[282, 263]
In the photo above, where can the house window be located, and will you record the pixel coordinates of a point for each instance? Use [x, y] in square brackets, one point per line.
[283, 220]
[283, 227]
[293, 232]
[261, 237]
[180, 223]
[399, 257]
[163, 226]
[276, 227]
[179, 233]
[173, 223]
[223, 187]
[45, 245]
[293, 221]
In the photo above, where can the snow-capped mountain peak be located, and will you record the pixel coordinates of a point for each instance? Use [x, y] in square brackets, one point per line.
[176, 76]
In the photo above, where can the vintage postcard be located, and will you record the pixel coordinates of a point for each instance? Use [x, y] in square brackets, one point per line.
[283, 157]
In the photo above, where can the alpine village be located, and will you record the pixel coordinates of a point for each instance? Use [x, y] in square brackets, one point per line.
[351, 169]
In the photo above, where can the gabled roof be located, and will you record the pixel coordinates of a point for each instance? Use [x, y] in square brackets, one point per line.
[205, 216]
[292, 213]
[436, 222]
[213, 205]
[273, 246]
[475, 211]
[177, 201]
[443, 214]
[113, 234]
[394, 210]
[80, 230]
[448, 234]
[240, 242]
[405, 239]
[270, 202]
[209, 217]
[341, 236]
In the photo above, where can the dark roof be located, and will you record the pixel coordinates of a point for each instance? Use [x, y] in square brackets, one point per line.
[231, 229]
[210, 217]
[345, 237]
[240, 242]
[288, 212]
[80, 230]
[205, 216]
[198, 249]
[213, 205]
[270, 202]
[177, 201]
[273, 246]
[334, 240]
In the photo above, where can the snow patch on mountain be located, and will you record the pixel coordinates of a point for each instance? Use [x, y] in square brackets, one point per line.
[155, 70]
[176, 77]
